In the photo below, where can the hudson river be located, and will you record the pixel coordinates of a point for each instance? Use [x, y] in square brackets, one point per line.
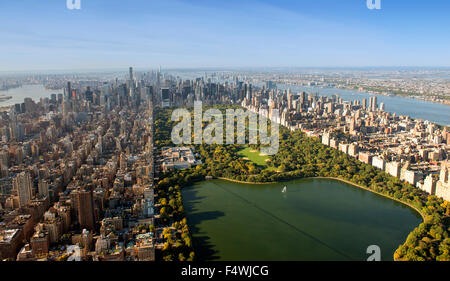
[316, 219]
[27, 91]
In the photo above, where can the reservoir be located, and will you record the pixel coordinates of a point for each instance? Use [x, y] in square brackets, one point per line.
[314, 220]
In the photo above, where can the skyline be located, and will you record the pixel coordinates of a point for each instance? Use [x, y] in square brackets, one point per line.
[187, 132]
[272, 69]
[94, 172]
[199, 34]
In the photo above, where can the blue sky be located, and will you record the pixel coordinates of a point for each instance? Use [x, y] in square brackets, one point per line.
[45, 35]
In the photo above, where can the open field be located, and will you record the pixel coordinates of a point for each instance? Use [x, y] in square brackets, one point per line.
[255, 157]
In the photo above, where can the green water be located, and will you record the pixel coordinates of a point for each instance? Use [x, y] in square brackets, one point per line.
[315, 219]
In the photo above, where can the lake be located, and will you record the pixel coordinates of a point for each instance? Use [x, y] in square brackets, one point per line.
[315, 220]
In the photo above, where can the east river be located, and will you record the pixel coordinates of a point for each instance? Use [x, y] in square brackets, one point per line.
[418, 109]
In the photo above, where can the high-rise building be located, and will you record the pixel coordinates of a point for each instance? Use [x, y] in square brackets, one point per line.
[373, 104]
[269, 85]
[43, 188]
[22, 184]
[131, 74]
[443, 185]
[289, 99]
[85, 208]
[89, 95]
[131, 83]
[4, 159]
[165, 95]
[302, 100]
[68, 93]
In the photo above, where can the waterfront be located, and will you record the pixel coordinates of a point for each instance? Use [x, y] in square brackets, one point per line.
[419, 109]
[317, 219]
[425, 110]
[27, 91]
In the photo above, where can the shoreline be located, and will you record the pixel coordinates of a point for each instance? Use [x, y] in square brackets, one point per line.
[373, 191]
[420, 98]
[336, 179]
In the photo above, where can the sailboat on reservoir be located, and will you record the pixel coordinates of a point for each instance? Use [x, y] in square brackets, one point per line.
[284, 189]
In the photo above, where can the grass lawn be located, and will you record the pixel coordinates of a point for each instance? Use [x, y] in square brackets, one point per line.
[254, 156]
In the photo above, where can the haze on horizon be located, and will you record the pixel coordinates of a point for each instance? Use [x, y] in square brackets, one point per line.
[115, 34]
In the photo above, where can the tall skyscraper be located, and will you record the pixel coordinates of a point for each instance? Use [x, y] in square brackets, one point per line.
[89, 95]
[302, 100]
[374, 104]
[22, 184]
[43, 188]
[158, 94]
[289, 99]
[165, 96]
[131, 74]
[131, 83]
[68, 94]
[85, 206]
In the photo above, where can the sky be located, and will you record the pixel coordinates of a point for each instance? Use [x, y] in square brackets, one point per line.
[45, 35]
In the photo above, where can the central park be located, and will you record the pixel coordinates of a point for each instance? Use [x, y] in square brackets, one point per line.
[334, 208]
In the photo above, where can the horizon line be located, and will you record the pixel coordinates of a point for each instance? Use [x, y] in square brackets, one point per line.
[220, 68]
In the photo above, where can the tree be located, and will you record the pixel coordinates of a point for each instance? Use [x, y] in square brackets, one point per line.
[298, 157]
[188, 242]
[191, 256]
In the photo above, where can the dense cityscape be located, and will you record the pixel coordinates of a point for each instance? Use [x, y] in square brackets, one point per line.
[79, 169]
[77, 176]
[412, 150]
[202, 140]
[429, 84]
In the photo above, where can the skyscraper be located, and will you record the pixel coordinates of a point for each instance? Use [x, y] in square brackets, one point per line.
[68, 94]
[22, 184]
[131, 74]
[165, 96]
[289, 99]
[131, 83]
[43, 188]
[374, 104]
[85, 206]
[89, 95]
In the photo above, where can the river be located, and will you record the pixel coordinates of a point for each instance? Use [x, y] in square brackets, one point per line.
[27, 91]
[434, 112]
[418, 109]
